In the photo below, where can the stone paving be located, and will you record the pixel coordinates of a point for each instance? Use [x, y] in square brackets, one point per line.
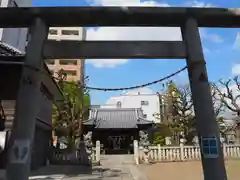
[113, 167]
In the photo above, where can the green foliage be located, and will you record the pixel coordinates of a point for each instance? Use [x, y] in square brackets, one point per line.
[172, 87]
[158, 139]
[74, 109]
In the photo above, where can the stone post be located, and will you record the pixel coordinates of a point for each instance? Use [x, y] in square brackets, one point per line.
[182, 149]
[159, 152]
[98, 151]
[224, 149]
[136, 151]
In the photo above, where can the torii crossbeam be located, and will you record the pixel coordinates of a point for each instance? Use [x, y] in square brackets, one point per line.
[38, 49]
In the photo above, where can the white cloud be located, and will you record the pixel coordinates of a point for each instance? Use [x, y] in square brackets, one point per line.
[136, 33]
[128, 33]
[199, 4]
[210, 36]
[236, 69]
[236, 44]
[126, 3]
[106, 63]
[206, 50]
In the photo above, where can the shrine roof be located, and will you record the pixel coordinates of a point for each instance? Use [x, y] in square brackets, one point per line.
[117, 118]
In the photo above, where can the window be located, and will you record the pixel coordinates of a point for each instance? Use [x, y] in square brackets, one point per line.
[68, 62]
[70, 73]
[70, 32]
[119, 104]
[145, 115]
[50, 62]
[53, 31]
[144, 103]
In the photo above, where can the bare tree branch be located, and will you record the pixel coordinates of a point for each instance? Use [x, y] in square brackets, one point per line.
[218, 105]
[182, 103]
[229, 99]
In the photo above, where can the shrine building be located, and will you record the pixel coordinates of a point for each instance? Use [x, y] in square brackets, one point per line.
[116, 128]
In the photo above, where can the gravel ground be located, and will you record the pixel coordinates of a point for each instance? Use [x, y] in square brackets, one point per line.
[185, 170]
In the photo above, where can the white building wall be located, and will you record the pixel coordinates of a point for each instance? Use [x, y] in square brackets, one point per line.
[133, 100]
[13, 36]
[59, 36]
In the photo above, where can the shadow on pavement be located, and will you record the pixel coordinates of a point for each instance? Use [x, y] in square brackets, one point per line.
[59, 171]
[85, 172]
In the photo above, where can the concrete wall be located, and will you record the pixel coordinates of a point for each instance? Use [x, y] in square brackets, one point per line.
[13, 36]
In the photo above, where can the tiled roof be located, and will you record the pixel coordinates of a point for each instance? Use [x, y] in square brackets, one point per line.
[8, 50]
[117, 118]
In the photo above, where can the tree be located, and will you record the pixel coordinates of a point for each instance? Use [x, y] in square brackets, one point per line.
[66, 116]
[227, 95]
[177, 116]
[181, 118]
[184, 121]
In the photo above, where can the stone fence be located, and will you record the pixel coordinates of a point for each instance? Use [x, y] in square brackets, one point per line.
[84, 156]
[182, 152]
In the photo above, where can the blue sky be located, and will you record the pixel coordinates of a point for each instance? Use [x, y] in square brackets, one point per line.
[221, 49]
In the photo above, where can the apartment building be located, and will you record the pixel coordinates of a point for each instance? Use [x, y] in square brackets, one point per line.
[150, 102]
[72, 67]
[15, 37]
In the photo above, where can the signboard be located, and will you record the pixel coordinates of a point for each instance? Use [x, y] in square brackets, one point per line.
[20, 151]
[209, 147]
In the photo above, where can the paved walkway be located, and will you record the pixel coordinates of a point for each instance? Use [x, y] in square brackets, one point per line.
[113, 167]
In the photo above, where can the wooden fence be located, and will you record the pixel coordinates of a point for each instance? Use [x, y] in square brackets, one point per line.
[177, 153]
[77, 157]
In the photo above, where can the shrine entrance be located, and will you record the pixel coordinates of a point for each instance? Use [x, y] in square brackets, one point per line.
[119, 144]
[116, 142]
[119, 141]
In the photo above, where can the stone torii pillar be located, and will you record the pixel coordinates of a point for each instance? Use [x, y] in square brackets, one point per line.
[27, 106]
[207, 127]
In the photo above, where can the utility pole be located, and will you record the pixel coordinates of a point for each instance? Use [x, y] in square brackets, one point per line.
[27, 106]
[207, 127]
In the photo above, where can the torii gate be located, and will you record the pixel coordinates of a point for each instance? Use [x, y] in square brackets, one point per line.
[38, 49]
